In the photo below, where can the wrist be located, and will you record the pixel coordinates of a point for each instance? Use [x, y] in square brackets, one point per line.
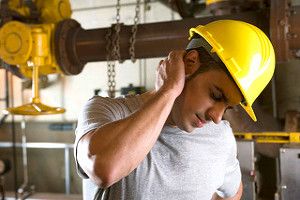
[169, 92]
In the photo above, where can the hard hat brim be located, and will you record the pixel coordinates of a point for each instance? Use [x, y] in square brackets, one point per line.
[249, 111]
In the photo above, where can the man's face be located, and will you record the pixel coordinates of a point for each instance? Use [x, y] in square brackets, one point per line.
[204, 98]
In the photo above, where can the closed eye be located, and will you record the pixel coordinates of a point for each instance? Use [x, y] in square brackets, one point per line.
[216, 97]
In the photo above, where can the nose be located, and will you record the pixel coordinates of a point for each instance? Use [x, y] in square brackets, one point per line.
[216, 112]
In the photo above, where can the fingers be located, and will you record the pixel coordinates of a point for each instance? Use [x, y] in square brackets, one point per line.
[173, 55]
[176, 54]
[160, 62]
[170, 73]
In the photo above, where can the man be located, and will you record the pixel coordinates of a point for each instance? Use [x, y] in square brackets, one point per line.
[171, 143]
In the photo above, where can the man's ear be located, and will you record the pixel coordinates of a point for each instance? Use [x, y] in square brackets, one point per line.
[192, 62]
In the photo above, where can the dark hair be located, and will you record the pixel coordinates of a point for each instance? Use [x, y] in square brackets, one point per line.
[207, 61]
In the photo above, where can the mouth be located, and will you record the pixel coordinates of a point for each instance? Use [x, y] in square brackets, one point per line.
[200, 122]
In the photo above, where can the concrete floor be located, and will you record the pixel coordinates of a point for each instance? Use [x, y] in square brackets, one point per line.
[44, 196]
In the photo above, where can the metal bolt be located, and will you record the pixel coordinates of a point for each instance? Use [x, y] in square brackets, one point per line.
[282, 22]
[282, 150]
[284, 187]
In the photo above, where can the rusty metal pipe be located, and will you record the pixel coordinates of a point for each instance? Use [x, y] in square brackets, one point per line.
[76, 46]
[152, 40]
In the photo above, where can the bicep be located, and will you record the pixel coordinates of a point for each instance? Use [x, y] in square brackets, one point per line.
[95, 113]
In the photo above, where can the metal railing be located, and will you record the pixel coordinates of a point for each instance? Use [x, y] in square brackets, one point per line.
[270, 137]
[47, 145]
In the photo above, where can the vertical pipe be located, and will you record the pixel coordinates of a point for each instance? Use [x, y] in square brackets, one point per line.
[13, 127]
[14, 148]
[274, 99]
[6, 90]
[2, 120]
[24, 152]
[67, 170]
[35, 85]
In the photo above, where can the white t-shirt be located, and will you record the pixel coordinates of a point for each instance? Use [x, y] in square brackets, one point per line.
[180, 166]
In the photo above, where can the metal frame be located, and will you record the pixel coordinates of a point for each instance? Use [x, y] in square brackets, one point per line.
[48, 145]
[289, 176]
[246, 157]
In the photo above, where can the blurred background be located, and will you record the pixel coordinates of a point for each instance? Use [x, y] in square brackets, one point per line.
[55, 55]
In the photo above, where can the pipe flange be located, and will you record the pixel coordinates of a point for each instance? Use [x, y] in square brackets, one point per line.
[65, 51]
[15, 42]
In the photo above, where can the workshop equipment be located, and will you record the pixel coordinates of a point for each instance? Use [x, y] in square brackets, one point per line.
[30, 47]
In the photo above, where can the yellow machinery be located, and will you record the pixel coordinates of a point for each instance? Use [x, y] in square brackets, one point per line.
[51, 11]
[271, 137]
[31, 48]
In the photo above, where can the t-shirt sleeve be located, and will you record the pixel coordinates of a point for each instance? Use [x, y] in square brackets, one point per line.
[97, 112]
[232, 178]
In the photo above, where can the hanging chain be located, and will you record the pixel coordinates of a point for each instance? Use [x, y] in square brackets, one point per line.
[134, 31]
[116, 39]
[113, 52]
[110, 65]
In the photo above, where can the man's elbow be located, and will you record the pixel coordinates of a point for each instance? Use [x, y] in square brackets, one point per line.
[104, 175]
[237, 196]
[239, 193]
[101, 171]
[97, 165]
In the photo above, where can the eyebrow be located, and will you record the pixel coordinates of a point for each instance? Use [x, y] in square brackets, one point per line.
[222, 92]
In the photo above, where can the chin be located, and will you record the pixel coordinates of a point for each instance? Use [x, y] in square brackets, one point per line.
[186, 128]
[190, 130]
[182, 124]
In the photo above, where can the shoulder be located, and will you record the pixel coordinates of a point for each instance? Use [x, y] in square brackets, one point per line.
[229, 138]
[223, 134]
[222, 129]
[107, 102]
[100, 101]
[119, 107]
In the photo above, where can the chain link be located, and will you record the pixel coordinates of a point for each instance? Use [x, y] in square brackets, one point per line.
[113, 46]
[113, 52]
[117, 29]
[134, 31]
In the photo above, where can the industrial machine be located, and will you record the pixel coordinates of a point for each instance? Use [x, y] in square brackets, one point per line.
[38, 38]
[27, 41]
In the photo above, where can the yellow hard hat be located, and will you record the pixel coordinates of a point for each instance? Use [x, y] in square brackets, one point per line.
[246, 52]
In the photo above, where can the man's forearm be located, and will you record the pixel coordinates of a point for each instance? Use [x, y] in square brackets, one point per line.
[117, 148]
